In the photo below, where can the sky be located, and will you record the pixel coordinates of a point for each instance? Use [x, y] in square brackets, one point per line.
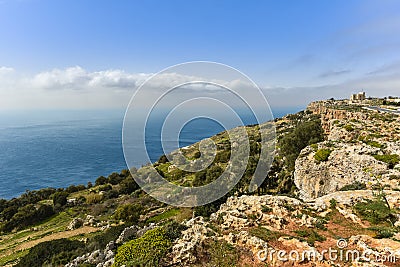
[94, 54]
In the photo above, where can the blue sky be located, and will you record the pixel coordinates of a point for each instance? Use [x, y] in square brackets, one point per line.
[295, 50]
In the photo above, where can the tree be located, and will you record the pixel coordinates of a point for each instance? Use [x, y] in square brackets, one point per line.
[60, 199]
[129, 213]
[101, 180]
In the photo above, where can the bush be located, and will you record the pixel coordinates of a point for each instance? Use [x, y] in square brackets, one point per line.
[310, 236]
[147, 250]
[391, 160]
[28, 215]
[45, 251]
[383, 232]
[94, 198]
[114, 178]
[322, 154]
[128, 186]
[374, 144]
[100, 240]
[354, 186]
[71, 189]
[173, 230]
[104, 187]
[349, 128]
[60, 199]
[332, 203]
[375, 211]
[128, 213]
[163, 159]
[305, 133]
[101, 180]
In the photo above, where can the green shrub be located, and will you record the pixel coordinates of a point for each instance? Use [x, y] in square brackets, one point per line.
[101, 239]
[375, 211]
[163, 159]
[333, 203]
[354, 186]
[28, 215]
[304, 134]
[94, 198]
[314, 147]
[173, 230]
[374, 144]
[101, 180]
[383, 232]
[391, 160]
[322, 154]
[128, 213]
[60, 199]
[114, 178]
[265, 234]
[105, 187]
[266, 209]
[128, 186]
[147, 250]
[349, 128]
[310, 236]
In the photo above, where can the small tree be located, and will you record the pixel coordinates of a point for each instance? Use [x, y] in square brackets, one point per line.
[60, 199]
[101, 180]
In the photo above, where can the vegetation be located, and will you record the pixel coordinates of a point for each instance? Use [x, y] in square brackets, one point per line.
[375, 211]
[147, 250]
[265, 234]
[354, 186]
[222, 254]
[322, 155]
[391, 160]
[55, 253]
[310, 235]
[349, 128]
[26, 216]
[304, 134]
[129, 213]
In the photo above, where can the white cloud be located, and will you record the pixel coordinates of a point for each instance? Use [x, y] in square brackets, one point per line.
[76, 87]
[78, 78]
[6, 70]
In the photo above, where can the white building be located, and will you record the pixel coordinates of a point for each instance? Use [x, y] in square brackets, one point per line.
[358, 97]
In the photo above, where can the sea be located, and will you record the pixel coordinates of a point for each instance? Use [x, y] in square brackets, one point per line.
[58, 148]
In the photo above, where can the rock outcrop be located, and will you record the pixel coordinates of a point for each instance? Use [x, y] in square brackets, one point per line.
[348, 163]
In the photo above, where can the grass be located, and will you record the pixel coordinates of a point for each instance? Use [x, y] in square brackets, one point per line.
[12, 258]
[265, 234]
[374, 144]
[163, 216]
[9, 242]
[222, 254]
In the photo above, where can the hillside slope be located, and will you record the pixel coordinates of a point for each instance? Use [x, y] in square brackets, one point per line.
[332, 190]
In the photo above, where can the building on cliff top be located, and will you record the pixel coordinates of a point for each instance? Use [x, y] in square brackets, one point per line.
[358, 97]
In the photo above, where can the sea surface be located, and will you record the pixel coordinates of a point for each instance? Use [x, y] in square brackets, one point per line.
[41, 149]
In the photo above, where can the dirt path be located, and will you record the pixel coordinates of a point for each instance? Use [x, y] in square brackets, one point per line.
[59, 235]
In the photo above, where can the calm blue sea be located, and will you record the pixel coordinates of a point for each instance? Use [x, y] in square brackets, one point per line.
[59, 148]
